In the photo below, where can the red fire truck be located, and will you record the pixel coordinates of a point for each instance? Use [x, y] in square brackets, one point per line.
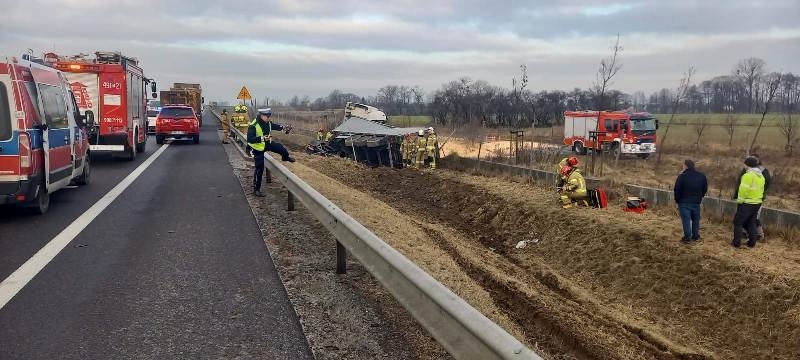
[112, 86]
[617, 132]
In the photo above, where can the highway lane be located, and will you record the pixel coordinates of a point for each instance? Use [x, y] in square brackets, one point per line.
[175, 267]
[23, 234]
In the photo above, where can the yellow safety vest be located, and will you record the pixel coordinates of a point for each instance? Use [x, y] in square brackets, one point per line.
[260, 146]
[431, 142]
[422, 142]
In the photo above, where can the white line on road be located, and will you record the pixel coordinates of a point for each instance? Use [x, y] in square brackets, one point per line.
[16, 281]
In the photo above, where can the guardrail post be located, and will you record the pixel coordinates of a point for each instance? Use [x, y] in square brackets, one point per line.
[341, 259]
[291, 201]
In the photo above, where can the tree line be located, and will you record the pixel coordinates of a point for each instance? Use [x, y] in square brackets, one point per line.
[469, 101]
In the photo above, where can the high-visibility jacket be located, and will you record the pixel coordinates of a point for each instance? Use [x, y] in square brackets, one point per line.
[575, 183]
[751, 187]
[430, 143]
[328, 136]
[422, 143]
[260, 146]
[320, 135]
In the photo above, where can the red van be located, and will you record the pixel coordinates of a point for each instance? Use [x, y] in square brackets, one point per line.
[177, 122]
[44, 143]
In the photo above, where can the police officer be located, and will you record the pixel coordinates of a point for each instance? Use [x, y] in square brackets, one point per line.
[259, 137]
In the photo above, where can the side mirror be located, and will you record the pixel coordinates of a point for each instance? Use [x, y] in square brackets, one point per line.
[89, 116]
[656, 124]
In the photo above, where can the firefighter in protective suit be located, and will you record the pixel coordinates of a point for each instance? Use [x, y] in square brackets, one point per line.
[226, 126]
[571, 161]
[574, 189]
[404, 149]
[430, 147]
[422, 143]
[320, 134]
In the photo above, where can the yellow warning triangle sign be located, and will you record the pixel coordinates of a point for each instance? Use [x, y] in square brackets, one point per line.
[244, 94]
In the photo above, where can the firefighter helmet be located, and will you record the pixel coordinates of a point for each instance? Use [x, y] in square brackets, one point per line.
[565, 170]
[572, 161]
[421, 133]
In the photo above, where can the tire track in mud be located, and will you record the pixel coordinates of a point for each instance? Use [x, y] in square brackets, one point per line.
[531, 314]
[658, 290]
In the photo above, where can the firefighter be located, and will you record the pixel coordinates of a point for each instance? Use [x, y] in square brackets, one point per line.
[259, 137]
[320, 134]
[328, 136]
[571, 161]
[404, 149]
[226, 126]
[422, 143]
[430, 147]
[574, 189]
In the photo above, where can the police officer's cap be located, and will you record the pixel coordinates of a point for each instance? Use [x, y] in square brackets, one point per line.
[267, 111]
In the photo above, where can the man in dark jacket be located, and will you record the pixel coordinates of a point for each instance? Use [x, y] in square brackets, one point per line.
[690, 188]
[767, 180]
[259, 137]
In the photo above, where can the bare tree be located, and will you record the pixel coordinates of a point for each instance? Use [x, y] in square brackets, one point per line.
[789, 128]
[700, 125]
[605, 74]
[730, 123]
[680, 95]
[771, 85]
[750, 71]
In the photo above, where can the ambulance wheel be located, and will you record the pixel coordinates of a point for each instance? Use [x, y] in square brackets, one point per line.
[41, 203]
[159, 139]
[86, 175]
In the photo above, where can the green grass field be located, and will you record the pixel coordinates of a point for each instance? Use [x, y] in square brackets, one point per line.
[410, 120]
[685, 128]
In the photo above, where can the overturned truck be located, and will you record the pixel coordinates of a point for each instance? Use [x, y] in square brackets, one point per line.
[365, 136]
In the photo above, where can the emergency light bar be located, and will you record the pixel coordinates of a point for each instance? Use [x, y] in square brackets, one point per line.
[77, 67]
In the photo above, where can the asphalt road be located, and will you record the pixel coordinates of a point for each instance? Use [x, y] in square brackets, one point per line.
[175, 267]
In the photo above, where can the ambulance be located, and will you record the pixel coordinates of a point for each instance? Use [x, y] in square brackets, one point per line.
[43, 136]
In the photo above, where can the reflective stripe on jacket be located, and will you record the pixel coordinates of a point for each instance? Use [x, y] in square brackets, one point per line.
[576, 183]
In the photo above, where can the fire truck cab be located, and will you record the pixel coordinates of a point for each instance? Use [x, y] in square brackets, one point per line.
[43, 139]
[112, 86]
[617, 132]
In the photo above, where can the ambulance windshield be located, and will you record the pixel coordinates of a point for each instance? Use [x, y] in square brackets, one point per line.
[5, 114]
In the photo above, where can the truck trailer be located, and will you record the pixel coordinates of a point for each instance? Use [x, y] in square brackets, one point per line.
[187, 94]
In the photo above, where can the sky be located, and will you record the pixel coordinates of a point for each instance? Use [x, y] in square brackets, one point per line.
[279, 48]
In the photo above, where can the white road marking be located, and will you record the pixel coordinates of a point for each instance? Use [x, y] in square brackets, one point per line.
[25, 273]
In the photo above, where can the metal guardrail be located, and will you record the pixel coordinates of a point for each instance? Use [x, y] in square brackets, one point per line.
[461, 329]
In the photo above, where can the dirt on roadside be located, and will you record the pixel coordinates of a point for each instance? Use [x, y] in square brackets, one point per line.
[589, 283]
[343, 316]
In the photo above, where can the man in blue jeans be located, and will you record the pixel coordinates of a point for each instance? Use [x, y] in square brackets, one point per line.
[690, 188]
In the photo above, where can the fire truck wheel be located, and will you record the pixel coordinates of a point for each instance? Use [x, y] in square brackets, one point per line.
[580, 149]
[141, 146]
[41, 203]
[159, 139]
[131, 156]
[616, 150]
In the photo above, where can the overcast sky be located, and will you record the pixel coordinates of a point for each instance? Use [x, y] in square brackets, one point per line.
[282, 47]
